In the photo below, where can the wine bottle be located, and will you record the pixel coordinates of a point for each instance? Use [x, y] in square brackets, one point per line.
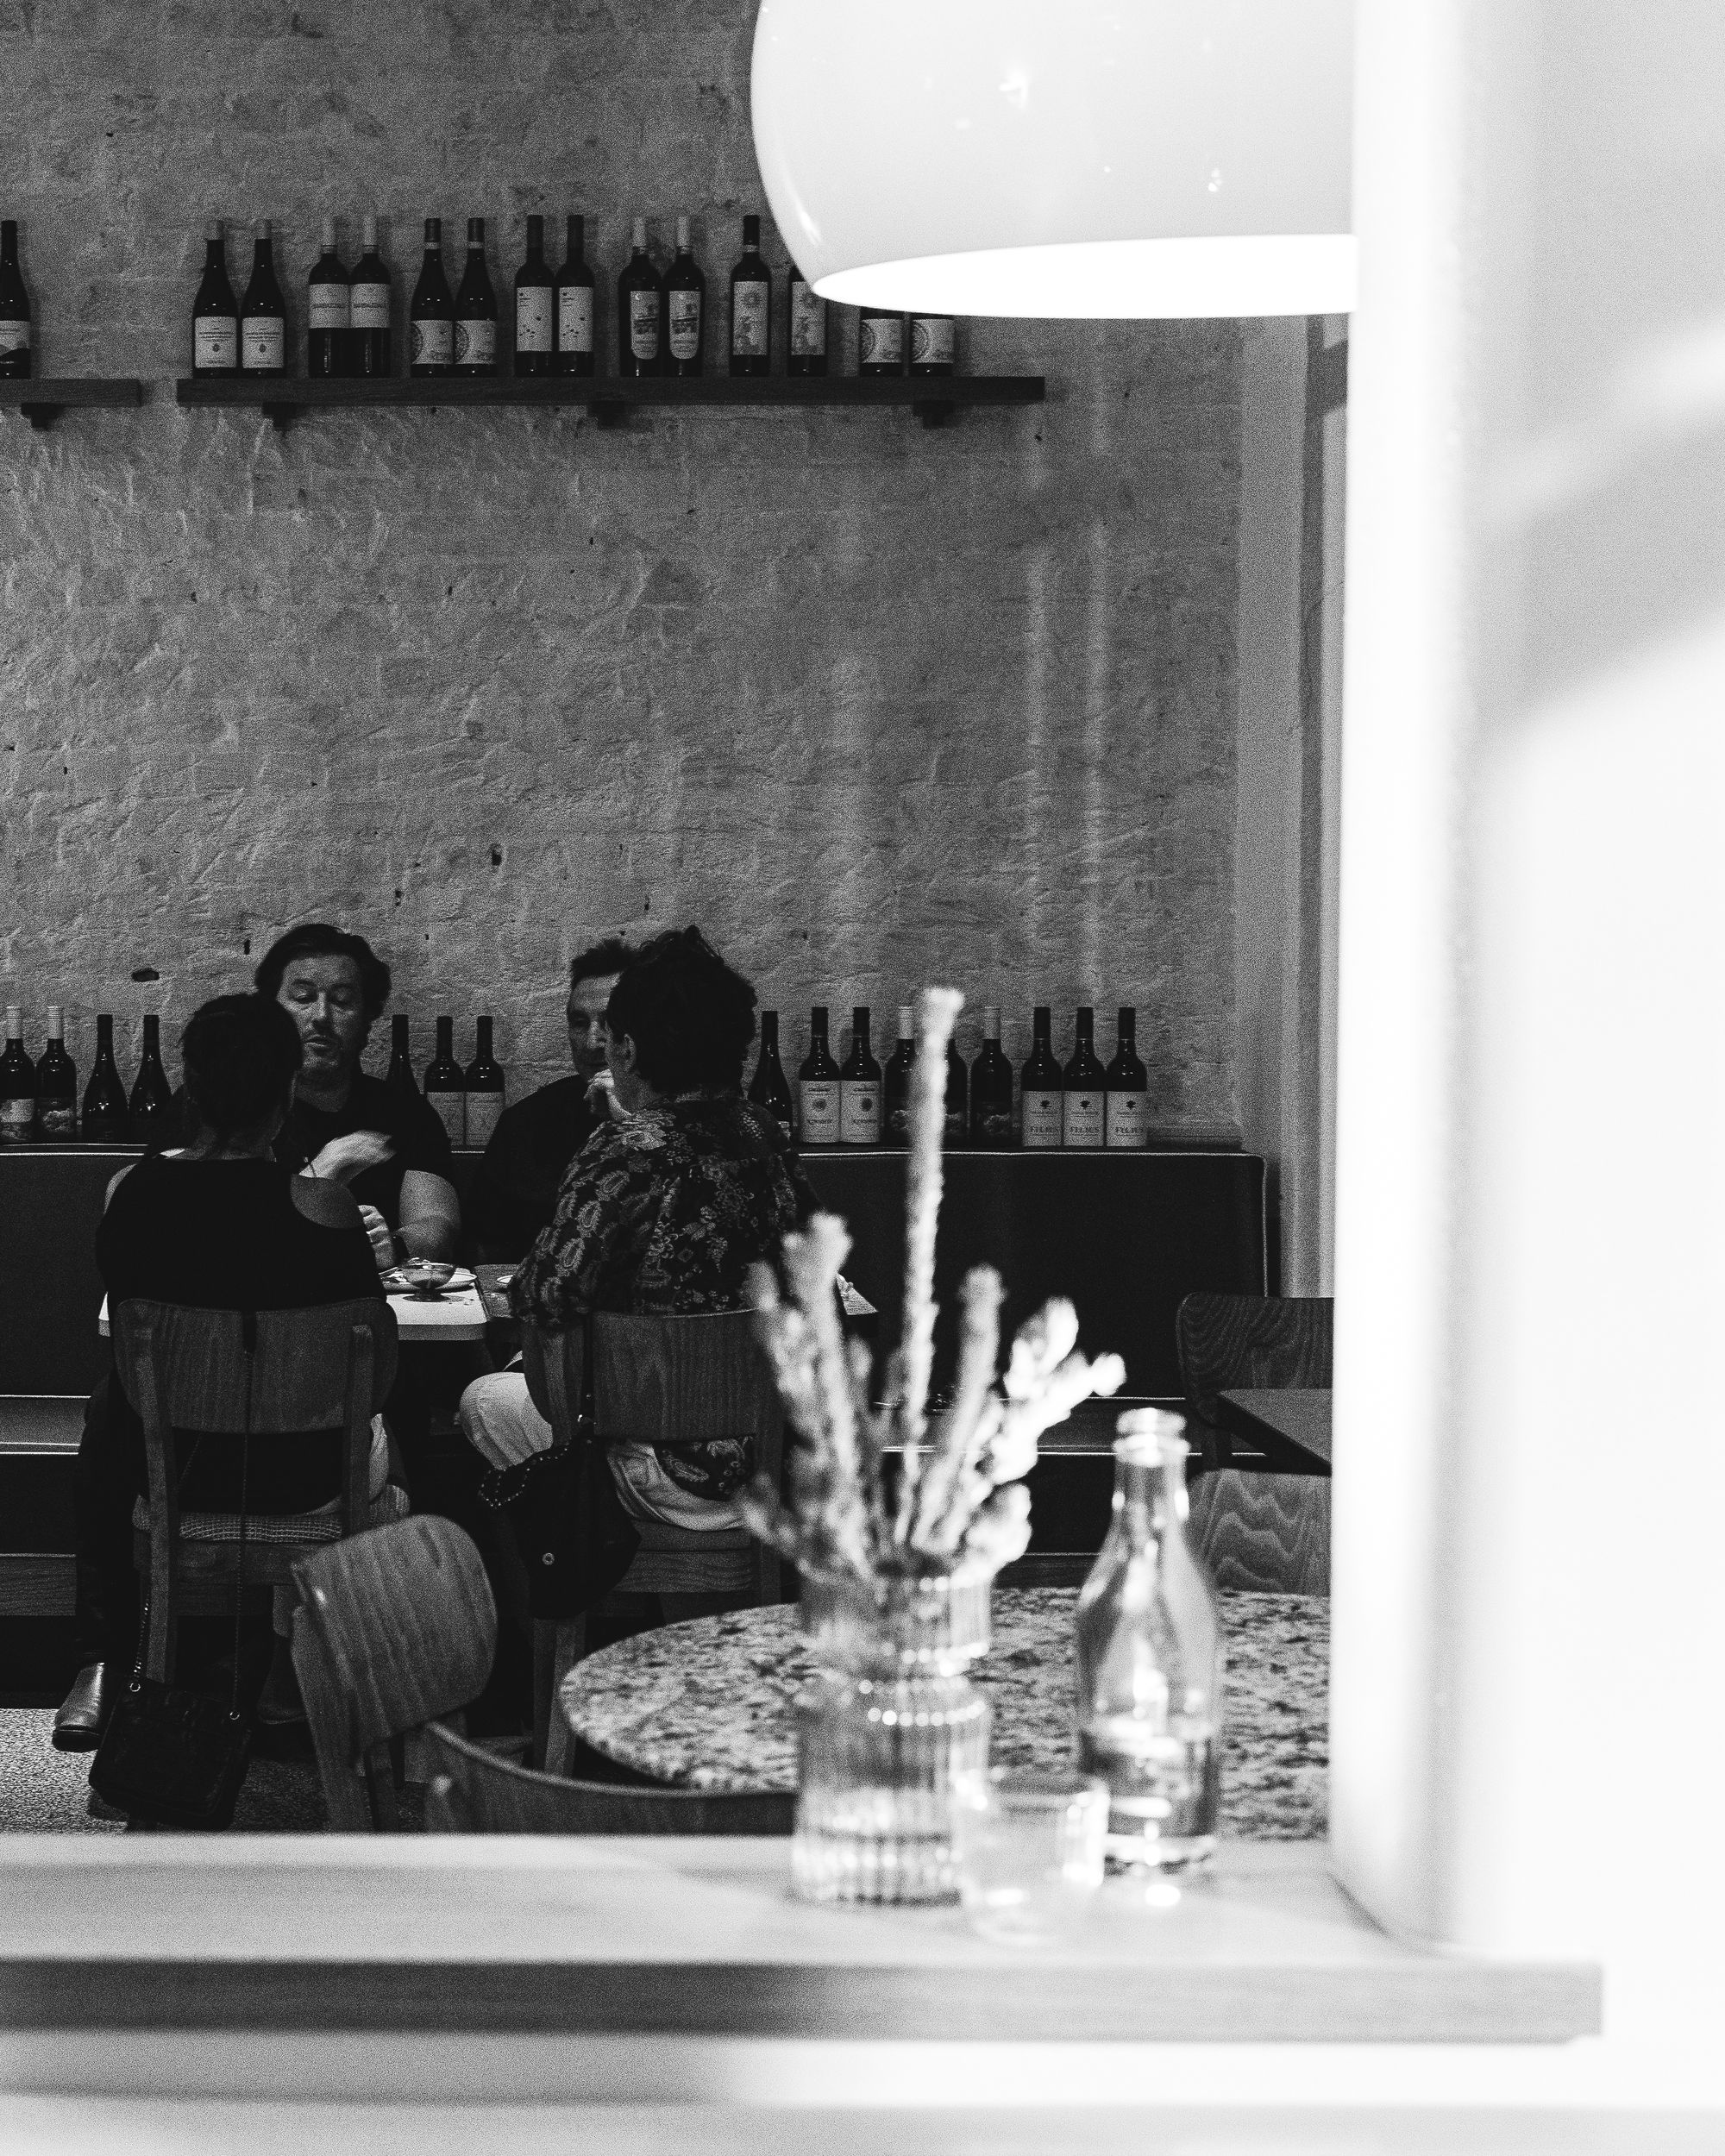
[1127, 1106]
[957, 1125]
[431, 318]
[640, 310]
[17, 1081]
[486, 1087]
[106, 1119]
[575, 294]
[263, 317]
[536, 326]
[895, 1087]
[880, 342]
[807, 353]
[768, 1088]
[859, 1086]
[991, 1088]
[685, 309]
[752, 306]
[328, 317]
[1082, 1119]
[818, 1086]
[1040, 1086]
[934, 344]
[445, 1088]
[399, 1076]
[151, 1108]
[368, 299]
[15, 309]
[56, 1083]
[215, 318]
[475, 310]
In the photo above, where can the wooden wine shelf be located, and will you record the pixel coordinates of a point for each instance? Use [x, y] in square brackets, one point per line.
[609, 399]
[42, 402]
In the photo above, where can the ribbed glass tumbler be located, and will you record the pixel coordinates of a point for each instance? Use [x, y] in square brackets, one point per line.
[894, 1738]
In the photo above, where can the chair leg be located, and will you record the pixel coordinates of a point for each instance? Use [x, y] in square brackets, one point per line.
[558, 1644]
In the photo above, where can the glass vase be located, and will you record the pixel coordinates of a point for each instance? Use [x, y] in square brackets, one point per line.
[1150, 1661]
[894, 1737]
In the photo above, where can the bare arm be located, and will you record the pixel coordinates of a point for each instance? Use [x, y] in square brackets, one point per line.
[431, 1215]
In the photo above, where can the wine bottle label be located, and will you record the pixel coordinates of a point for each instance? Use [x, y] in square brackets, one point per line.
[1128, 1118]
[818, 1099]
[483, 1110]
[932, 343]
[17, 1120]
[575, 318]
[328, 308]
[434, 343]
[882, 341]
[859, 1111]
[533, 318]
[476, 344]
[368, 307]
[1082, 1117]
[808, 321]
[749, 315]
[58, 1119]
[452, 1113]
[958, 1126]
[644, 325]
[685, 324]
[995, 1125]
[260, 340]
[216, 341]
[14, 336]
[1043, 1117]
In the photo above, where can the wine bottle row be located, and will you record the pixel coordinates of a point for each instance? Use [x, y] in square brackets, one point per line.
[552, 326]
[1079, 1105]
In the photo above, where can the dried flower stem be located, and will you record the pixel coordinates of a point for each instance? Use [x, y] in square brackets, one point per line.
[937, 1009]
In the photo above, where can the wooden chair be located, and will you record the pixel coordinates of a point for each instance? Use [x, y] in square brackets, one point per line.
[659, 1380]
[472, 1791]
[328, 1368]
[1259, 1523]
[393, 1628]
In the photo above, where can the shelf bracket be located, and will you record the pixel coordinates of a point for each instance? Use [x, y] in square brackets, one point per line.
[281, 416]
[41, 416]
[934, 411]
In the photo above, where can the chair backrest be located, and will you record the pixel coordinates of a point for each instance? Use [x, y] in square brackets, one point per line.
[1254, 1341]
[393, 1627]
[302, 1367]
[474, 1792]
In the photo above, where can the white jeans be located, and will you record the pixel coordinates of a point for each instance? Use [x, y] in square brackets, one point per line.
[500, 1422]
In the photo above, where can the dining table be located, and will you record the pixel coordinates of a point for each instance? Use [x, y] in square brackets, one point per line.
[712, 1704]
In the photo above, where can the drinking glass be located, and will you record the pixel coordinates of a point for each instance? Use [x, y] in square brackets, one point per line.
[1029, 1854]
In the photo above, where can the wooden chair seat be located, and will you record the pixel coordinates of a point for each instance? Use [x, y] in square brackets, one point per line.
[681, 1561]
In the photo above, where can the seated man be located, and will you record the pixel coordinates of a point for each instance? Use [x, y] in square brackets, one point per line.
[664, 1209]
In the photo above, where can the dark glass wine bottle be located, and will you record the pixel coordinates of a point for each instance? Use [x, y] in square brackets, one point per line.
[805, 351]
[1041, 1088]
[56, 1084]
[640, 310]
[859, 1086]
[1127, 1106]
[818, 1086]
[431, 318]
[934, 344]
[486, 1087]
[215, 318]
[535, 309]
[328, 316]
[106, 1118]
[991, 1088]
[15, 309]
[446, 1089]
[152, 1101]
[895, 1086]
[958, 1127]
[17, 1084]
[685, 309]
[576, 293]
[880, 341]
[263, 315]
[368, 309]
[399, 1076]
[476, 310]
[1082, 1117]
[767, 1089]
[752, 306]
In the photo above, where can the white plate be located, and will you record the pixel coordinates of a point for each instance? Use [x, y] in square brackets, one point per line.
[397, 1284]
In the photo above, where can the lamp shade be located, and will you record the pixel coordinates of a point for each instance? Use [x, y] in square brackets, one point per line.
[1061, 157]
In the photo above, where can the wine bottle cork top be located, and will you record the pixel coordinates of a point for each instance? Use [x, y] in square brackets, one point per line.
[640, 238]
[56, 1022]
[682, 236]
[906, 1021]
[212, 228]
[14, 1021]
[991, 1021]
[369, 231]
[260, 230]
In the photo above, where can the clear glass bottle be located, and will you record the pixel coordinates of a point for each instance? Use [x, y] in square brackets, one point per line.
[1150, 1660]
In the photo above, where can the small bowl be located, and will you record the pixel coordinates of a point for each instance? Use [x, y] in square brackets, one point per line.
[427, 1275]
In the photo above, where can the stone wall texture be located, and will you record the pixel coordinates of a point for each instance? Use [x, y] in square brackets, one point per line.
[873, 704]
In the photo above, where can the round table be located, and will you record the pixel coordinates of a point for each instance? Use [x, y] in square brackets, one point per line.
[708, 1705]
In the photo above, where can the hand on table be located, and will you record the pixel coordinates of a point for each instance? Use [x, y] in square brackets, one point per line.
[343, 1158]
[383, 1247]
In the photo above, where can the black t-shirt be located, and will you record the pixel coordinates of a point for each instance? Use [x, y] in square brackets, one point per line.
[515, 1192]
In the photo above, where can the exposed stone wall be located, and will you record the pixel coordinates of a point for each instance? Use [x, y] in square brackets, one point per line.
[873, 704]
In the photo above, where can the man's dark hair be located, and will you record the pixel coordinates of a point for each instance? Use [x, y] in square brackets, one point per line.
[691, 1017]
[610, 955]
[320, 939]
[239, 1055]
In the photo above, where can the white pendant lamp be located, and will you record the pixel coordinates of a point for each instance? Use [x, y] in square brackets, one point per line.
[1077, 158]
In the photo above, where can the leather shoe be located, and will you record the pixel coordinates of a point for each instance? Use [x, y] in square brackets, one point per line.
[84, 1711]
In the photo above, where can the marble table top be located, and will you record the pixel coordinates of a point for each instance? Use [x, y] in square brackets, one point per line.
[708, 1705]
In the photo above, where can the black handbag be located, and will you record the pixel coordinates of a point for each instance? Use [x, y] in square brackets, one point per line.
[172, 1757]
